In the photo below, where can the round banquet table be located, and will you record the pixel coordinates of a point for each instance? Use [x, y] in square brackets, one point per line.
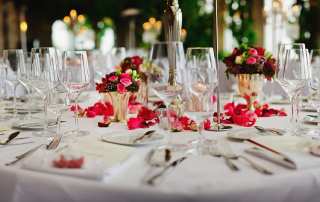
[198, 178]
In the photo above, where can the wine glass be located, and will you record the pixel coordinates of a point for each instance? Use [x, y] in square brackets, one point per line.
[315, 84]
[166, 79]
[76, 78]
[293, 75]
[14, 62]
[114, 57]
[202, 79]
[44, 77]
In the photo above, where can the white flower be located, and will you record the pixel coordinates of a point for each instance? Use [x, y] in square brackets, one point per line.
[238, 60]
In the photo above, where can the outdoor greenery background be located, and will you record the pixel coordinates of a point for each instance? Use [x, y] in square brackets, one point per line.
[41, 14]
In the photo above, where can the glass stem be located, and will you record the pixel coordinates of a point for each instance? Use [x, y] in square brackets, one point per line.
[15, 100]
[76, 119]
[59, 123]
[294, 111]
[201, 138]
[45, 109]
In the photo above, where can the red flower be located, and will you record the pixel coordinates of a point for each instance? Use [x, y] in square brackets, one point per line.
[113, 78]
[251, 61]
[121, 88]
[260, 51]
[252, 52]
[207, 124]
[126, 81]
[125, 75]
[213, 99]
[134, 123]
[91, 114]
[147, 114]
[136, 61]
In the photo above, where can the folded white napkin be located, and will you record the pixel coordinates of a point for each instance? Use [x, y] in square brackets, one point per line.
[43, 162]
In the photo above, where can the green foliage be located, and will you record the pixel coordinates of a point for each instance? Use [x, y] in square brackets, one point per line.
[240, 21]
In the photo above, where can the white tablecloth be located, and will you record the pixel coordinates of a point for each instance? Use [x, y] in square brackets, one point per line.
[199, 178]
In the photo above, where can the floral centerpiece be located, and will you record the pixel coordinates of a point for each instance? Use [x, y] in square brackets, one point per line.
[250, 65]
[118, 86]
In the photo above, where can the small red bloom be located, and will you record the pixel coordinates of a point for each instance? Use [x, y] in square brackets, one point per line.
[113, 78]
[121, 88]
[252, 51]
[135, 123]
[251, 61]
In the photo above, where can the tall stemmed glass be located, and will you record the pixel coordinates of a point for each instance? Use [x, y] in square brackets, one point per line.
[293, 75]
[76, 78]
[315, 84]
[160, 83]
[44, 76]
[202, 79]
[14, 63]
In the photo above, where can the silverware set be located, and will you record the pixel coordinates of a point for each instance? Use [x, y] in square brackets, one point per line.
[164, 164]
[222, 149]
[53, 144]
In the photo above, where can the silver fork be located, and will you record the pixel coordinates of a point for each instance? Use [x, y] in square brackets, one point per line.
[231, 155]
[53, 144]
[214, 151]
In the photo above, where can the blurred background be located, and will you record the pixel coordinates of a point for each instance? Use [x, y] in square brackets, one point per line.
[135, 24]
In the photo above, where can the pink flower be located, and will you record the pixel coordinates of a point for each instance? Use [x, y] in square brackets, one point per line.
[121, 88]
[113, 78]
[253, 51]
[213, 99]
[126, 81]
[251, 61]
[125, 75]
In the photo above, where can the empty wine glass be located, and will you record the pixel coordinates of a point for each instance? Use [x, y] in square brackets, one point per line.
[76, 78]
[293, 75]
[44, 76]
[13, 61]
[166, 80]
[202, 79]
[315, 84]
[114, 57]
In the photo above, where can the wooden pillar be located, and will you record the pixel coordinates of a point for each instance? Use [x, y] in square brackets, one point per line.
[258, 19]
[1, 25]
[221, 24]
[12, 25]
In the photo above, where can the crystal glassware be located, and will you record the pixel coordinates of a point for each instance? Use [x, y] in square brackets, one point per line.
[202, 80]
[293, 75]
[44, 76]
[76, 78]
[166, 82]
[14, 63]
[315, 85]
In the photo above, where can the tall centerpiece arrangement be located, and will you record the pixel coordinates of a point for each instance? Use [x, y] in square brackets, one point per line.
[250, 66]
[117, 87]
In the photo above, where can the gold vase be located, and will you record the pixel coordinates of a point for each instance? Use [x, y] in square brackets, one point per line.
[119, 101]
[250, 86]
[142, 94]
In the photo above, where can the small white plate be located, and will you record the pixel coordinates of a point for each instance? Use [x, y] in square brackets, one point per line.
[33, 125]
[243, 134]
[128, 138]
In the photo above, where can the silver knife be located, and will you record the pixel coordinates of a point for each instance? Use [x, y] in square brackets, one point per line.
[10, 138]
[277, 159]
[173, 164]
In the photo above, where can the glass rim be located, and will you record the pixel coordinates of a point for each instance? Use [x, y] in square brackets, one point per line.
[166, 42]
[200, 48]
